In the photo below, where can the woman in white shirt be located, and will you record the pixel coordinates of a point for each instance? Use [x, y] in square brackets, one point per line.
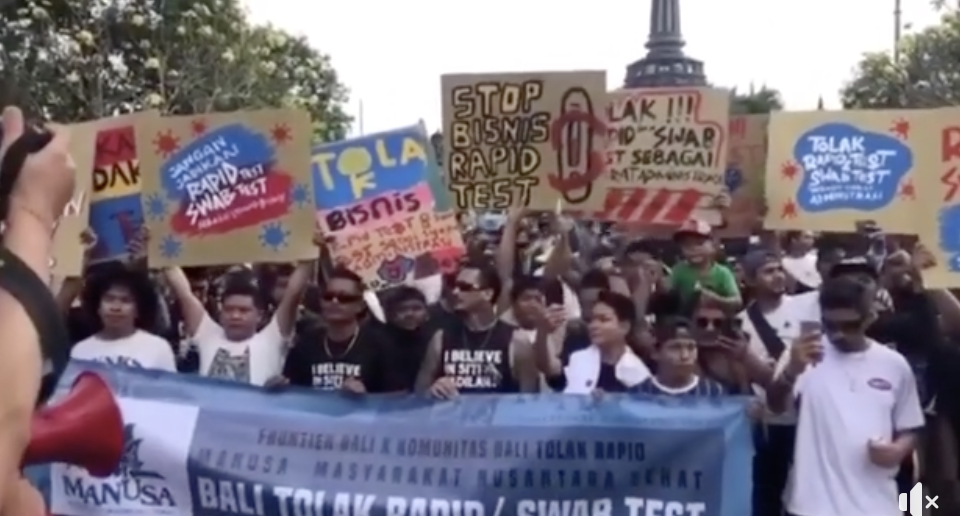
[122, 303]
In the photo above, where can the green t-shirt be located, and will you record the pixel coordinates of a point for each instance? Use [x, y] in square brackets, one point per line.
[718, 279]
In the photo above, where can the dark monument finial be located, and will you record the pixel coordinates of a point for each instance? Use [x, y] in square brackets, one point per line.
[665, 63]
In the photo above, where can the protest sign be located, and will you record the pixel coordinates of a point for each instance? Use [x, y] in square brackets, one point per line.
[746, 162]
[221, 186]
[115, 212]
[828, 170]
[937, 212]
[415, 246]
[67, 246]
[666, 157]
[377, 197]
[206, 448]
[522, 139]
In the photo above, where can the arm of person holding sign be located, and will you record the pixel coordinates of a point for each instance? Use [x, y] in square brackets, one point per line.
[36, 200]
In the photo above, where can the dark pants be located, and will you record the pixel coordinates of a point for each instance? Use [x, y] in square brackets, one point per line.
[771, 465]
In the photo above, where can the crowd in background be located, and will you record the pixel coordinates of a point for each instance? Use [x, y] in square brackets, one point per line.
[848, 358]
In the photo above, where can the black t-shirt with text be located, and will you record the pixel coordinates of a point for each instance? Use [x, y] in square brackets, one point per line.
[478, 361]
[322, 363]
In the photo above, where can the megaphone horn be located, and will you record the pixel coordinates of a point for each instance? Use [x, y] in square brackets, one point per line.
[84, 429]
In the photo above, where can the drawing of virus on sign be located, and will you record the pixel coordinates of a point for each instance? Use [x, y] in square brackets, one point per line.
[225, 180]
[842, 166]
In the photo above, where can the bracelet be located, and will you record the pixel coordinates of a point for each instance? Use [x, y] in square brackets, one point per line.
[38, 302]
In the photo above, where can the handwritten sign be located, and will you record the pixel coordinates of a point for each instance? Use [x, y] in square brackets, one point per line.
[744, 176]
[413, 246]
[937, 211]
[519, 139]
[115, 211]
[221, 187]
[826, 170]
[666, 156]
[367, 190]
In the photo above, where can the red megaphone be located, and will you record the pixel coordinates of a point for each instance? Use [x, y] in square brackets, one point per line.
[84, 429]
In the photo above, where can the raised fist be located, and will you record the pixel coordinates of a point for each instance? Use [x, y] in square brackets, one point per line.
[46, 180]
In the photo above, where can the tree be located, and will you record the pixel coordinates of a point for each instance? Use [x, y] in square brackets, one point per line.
[925, 74]
[756, 102]
[73, 60]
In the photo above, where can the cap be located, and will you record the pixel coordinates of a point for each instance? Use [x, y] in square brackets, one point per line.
[692, 227]
[755, 260]
[856, 264]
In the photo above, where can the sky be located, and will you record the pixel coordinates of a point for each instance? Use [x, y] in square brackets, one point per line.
[391, 54]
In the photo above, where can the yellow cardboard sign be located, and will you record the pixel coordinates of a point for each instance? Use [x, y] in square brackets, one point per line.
[666, 157]
[827, 170]
[938, 210]
[224, 187]
[517, 139]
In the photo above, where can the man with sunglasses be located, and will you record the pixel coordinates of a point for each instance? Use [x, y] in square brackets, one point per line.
[477, 352]
[858, 409]
[349, 352]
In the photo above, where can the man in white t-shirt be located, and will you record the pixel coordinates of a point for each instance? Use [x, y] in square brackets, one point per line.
[232, 348]
[770, 322]
[858, 410]
[124, 300]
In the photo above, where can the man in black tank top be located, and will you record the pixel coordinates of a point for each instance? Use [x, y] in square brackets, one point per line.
[476, 352]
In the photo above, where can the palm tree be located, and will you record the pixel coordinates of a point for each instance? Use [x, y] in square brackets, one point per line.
[755, 101]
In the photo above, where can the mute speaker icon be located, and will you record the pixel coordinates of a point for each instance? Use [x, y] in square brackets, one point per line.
[912, 502]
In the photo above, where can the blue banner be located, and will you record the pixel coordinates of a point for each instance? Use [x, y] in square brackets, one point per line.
[207, 448]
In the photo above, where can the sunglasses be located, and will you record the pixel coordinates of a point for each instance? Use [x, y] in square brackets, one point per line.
[710, 323]
[340, 297]
[846, 326]
[463, 286]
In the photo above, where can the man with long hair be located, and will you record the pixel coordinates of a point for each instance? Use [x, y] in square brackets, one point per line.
[38, 198]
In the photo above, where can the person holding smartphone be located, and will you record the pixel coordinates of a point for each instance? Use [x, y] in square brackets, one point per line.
[858, 409]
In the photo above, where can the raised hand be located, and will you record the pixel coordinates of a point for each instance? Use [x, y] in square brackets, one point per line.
[47, 178]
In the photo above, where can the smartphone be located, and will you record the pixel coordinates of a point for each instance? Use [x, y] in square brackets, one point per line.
[733, 328]
[553, 292]
[810, 327]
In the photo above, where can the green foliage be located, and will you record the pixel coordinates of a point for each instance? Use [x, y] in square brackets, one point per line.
[756, 102]
[73, 60]
[926, 73]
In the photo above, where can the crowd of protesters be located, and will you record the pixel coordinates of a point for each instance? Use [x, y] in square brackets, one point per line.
[848, 357]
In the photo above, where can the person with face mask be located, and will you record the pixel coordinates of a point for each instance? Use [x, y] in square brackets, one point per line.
[408, 327]
[124, 304]
[858, 409]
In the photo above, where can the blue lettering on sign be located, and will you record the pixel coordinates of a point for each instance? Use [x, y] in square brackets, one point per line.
[949, 224]
[131, 482]
[845, 167]
[304, 453]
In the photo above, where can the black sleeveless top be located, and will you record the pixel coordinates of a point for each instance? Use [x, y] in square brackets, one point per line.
[478, 361]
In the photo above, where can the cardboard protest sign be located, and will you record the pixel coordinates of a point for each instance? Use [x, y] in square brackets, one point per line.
[377, 197]
[410, 248]
[228, 187]
[522, 139]
[67, 245]
[744, 176]
[666, 157]
[827, 170]
[937, 211]
[115, 212]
